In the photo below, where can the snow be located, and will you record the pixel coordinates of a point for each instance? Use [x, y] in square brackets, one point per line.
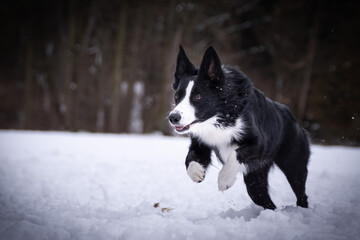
[58, 185]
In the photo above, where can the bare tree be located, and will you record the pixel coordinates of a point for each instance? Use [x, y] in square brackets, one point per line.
[69, 86]
[118, 67]
[310, 57]
[26, 121]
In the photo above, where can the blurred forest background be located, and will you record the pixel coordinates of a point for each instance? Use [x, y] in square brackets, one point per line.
[107, 66]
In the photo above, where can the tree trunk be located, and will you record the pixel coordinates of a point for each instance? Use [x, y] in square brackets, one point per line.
[304, 91]
[101, 84]
[26, 121]
[117, 72]
[81, 60]
[70, 86]
[173, 37]
[132, 71]
[166, 89]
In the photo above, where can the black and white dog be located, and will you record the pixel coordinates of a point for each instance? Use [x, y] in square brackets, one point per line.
[222, 112]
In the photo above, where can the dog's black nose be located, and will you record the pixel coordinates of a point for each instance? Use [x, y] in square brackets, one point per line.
[175, 118]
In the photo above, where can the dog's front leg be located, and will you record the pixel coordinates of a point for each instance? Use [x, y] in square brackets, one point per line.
[242, 159]
[197, 160]
[227, 174]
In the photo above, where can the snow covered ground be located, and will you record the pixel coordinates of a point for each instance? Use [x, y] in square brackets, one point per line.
[57, 185]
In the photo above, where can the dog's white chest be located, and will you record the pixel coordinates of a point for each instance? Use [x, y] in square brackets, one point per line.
[217, 136]
[225, 151]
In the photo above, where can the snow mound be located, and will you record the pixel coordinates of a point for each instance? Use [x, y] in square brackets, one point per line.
[56, 185]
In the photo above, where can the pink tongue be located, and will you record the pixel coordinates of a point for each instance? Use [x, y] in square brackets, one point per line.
[179, 128]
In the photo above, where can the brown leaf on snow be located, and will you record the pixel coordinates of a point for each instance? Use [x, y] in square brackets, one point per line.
[166, 209]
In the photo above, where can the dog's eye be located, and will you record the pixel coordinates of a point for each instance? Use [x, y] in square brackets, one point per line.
[197, 97]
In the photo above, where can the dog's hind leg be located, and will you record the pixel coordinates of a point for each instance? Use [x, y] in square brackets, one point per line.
[293, 162]
[257, 187]
[293, 159]
[296, 174]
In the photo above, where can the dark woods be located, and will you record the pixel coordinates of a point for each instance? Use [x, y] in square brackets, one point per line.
[107, 66]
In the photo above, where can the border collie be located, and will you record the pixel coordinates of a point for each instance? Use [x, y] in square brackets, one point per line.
[223, 112]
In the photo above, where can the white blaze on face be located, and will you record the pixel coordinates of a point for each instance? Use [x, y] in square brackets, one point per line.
[185, 109]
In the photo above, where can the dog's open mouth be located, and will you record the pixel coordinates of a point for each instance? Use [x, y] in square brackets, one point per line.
[182, 128]
[186, 127]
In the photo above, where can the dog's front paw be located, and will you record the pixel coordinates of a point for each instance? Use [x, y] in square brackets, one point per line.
[196, 172]
[226, 178]
[227, 175]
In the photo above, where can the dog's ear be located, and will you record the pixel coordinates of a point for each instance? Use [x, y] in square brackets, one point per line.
[210, 67]
[183, 67]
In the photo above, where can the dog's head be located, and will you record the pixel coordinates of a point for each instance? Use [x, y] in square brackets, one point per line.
[201, 95]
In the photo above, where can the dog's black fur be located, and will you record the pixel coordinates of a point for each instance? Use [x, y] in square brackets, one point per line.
[271, 134]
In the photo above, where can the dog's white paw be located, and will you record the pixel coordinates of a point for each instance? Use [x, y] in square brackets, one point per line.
[196, 172]
[226, 178]
[227, 175]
